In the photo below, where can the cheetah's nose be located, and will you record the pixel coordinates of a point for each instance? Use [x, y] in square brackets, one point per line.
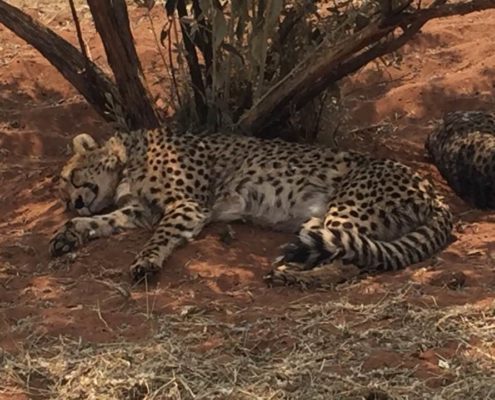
[79, 203]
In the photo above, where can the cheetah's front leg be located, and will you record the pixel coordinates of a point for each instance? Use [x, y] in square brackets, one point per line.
[183, 222]
[80, 230]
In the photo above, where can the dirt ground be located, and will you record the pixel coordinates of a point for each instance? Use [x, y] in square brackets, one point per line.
[210, 328]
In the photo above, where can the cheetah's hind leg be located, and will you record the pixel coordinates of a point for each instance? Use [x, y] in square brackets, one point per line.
[309, 249]
[323, 276]
[309, 261]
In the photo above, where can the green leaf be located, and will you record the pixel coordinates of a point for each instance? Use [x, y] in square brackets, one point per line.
[219, 29]
[258, 46]
[273, 13]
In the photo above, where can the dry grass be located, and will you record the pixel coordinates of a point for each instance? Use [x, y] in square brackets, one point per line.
[311, 352]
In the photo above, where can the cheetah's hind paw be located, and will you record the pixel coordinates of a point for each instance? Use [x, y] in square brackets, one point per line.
[143, 269]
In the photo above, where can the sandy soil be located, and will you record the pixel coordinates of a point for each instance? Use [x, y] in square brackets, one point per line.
[450, 65]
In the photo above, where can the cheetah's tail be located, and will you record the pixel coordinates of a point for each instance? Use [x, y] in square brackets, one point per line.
[319, 245]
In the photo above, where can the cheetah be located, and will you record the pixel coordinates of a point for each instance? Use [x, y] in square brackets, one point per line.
[463, 150]
[346, 207]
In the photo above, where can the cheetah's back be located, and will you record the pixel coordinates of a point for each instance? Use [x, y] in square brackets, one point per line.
[463, 150]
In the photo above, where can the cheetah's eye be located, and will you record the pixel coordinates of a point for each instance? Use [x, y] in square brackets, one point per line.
[91, 186]
[76, 178]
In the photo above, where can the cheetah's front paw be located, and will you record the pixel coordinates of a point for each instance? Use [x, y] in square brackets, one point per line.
[143, 268]
[62, 243]
[66, 239]
[73, 234]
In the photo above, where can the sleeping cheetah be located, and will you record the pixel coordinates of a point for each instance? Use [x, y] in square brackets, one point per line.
[463, 150]
[376, 214]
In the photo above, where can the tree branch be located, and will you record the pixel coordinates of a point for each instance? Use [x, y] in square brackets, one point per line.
[325, 66]
[355, 63]
[442, 11]
[83, 74]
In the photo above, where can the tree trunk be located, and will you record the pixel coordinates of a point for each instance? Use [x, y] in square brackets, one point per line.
[84, 75]
[112, 23]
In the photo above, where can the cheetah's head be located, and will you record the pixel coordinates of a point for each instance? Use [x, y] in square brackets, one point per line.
[89, 180]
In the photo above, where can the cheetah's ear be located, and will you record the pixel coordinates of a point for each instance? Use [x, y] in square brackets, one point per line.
[117, 148]
[83, 143]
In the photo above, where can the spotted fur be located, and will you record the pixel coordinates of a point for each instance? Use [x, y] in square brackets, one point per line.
[376, 214]
[463, 150]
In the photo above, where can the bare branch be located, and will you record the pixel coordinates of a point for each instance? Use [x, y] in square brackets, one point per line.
[86, 76]
[82, 44]
[443, 10]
